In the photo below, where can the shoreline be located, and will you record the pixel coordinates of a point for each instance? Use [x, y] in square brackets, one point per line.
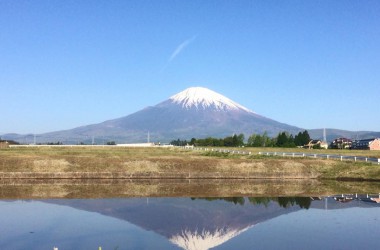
[111, 188]
[162, 176]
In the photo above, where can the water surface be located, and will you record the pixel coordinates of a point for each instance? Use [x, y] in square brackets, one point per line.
[191, 223]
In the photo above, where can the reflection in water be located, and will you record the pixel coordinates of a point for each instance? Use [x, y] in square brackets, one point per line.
[190, 224]
[212, 237]
[302, 202]
[190, 240]
[196, 223]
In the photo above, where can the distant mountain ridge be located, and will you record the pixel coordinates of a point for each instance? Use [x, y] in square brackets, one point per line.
[195, 112]
[332, 134]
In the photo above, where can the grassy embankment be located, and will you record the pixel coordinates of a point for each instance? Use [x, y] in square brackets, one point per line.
[175, 172]
[117, 162]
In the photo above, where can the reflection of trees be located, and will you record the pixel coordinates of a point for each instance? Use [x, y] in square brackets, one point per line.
[260, 200]
[302, 202]
[235, 200]
[285, 202]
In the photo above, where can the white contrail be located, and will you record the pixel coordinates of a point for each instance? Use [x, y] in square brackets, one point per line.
[181, 47]
[178, 50]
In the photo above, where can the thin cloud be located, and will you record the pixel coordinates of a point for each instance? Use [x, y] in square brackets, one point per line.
[181, 47]
[178, 50]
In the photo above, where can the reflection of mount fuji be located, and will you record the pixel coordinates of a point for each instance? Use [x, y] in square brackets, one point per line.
[200, 223]
[190, 224]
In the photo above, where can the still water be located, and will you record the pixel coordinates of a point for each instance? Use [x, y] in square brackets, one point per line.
[191, 223]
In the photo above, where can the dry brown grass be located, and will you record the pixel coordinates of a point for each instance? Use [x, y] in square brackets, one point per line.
[161, 162]
[50, 165]
[138, 166]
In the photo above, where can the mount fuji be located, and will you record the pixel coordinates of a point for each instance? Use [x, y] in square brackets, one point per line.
[195, 112]
[202, 98]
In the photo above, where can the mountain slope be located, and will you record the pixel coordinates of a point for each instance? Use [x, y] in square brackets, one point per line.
[195, 112]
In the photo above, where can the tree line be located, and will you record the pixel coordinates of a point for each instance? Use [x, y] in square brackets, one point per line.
[283, 139]
[229, 141]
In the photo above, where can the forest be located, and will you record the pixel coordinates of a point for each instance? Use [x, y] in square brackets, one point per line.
[283, 139]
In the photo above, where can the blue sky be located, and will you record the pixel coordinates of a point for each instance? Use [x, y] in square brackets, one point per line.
[311, 64]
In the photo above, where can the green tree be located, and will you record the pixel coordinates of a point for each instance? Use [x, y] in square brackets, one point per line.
[282, 139]
[258, 141]
[251, 140]
[285, 140]
[302, 138]
[240, 140]
[265, 139]
[235, 140]
[306, 137]
[290, 143]
[228, 141]
[193, 141]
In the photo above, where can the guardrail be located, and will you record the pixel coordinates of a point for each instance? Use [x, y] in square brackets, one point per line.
[325, 156]
[219, 150]
[287, 154]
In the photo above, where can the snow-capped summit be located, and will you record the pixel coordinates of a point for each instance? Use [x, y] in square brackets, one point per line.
[202, 98]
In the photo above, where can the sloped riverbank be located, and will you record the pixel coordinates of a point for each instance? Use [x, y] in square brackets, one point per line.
[102, 188]
[165, 163]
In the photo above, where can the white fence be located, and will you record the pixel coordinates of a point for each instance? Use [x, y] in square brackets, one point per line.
[219, 150]
[325, 156]
[287, 154]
